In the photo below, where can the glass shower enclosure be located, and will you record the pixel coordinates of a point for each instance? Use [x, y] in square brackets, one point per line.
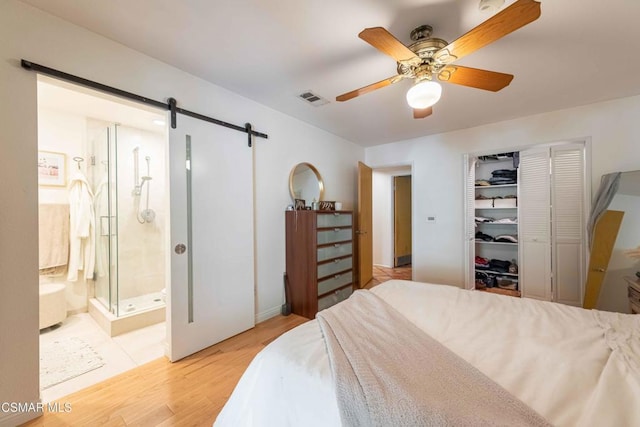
[128, 212]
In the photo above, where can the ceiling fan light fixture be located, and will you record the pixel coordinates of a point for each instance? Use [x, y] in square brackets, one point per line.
[424, 94]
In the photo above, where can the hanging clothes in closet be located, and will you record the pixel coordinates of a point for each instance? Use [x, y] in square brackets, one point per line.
[81, 228]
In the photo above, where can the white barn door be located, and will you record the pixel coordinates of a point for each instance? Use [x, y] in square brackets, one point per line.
[211, 295]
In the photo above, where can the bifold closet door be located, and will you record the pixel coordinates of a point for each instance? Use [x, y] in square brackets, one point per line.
[470, 223]
[535, 224]
[568, 222]
[211, 294]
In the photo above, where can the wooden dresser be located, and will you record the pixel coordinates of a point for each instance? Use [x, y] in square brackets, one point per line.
[319, 259]
[633, 292]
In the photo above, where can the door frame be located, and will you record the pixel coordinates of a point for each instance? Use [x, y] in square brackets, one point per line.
[403, 169]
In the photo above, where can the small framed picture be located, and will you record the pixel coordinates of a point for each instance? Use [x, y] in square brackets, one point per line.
[299, 204]
[327, 206]
[52, 169]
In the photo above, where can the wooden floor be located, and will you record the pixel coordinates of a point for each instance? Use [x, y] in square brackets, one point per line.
[382, 274]
[190, 392]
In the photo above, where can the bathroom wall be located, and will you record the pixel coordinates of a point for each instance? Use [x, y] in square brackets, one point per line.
[63, 132]
[141, 250]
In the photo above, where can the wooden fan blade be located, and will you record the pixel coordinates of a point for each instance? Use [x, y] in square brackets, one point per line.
[383, 83]
[474, 77]
[422, 112]
[510, 19]
[386, 43]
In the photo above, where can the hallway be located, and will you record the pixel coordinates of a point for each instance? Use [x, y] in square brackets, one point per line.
[382, 274]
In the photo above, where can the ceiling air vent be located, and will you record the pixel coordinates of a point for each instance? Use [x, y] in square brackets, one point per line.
[312, 98]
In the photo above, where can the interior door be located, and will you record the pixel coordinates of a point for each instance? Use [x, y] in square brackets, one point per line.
[402, 220]
[364, 221]
[211, 295]
[535, 223]
[470, 224]
[568, 222]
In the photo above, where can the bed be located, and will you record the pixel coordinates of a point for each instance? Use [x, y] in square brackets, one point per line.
[572, 366]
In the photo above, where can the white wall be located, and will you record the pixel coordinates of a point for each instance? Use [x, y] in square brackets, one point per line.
[141, 250]
[382, 219]
[66, 133]
[30, 34]
[438, 186]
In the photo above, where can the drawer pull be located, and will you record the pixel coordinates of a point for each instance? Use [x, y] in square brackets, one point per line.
[336, 261]
[337, 276]
[336, 214]
[336, 229]
[337, 245]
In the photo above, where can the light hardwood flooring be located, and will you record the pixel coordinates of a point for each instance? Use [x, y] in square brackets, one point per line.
[190, 392]
[382, 274]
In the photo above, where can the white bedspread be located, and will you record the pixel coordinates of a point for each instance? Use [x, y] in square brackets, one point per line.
[575, 367]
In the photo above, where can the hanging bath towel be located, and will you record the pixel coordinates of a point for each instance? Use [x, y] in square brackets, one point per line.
[81, 228]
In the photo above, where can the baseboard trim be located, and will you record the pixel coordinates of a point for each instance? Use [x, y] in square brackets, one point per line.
[267, 314]
[17, 418]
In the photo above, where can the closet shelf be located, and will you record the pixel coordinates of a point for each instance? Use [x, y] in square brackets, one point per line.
[496, 223]
[480, 209]
[497, 273]
[484, 242]
[496, 186]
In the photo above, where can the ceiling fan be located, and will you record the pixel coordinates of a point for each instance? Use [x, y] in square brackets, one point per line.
[430, 58]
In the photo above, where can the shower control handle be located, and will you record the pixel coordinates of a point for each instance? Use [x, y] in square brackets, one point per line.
[180, 248]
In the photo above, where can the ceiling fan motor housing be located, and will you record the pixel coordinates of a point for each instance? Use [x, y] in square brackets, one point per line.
[424, 47]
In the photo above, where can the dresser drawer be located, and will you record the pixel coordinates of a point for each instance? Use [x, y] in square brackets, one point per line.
[334, 298]
[335, 235]
[333, 267]
[334, 219]
[335, 251]
[335, 282]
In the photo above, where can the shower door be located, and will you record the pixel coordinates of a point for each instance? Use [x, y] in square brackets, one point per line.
[102, 150]
[212, 264]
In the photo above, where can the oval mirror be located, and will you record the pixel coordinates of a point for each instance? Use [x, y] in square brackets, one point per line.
[306, 183]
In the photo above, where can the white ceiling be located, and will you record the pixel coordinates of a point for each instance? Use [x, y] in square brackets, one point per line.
[577, 52]
[81, 101]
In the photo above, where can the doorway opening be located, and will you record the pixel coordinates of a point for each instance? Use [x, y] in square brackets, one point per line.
[103, 224]
[392, 223]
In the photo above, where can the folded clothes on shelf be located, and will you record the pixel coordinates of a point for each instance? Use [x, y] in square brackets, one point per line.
[481, 263]
[500, 156]
[506, 238]
[481, 236]
[499, 265]
[484, 219]
[506, 221]
[482, 183]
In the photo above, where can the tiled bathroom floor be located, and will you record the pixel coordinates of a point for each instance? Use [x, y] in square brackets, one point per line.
[120, 353]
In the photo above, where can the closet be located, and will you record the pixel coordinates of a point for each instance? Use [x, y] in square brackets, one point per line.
[528, 237]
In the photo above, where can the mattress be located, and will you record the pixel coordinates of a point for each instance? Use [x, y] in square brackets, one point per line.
[575, 367]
